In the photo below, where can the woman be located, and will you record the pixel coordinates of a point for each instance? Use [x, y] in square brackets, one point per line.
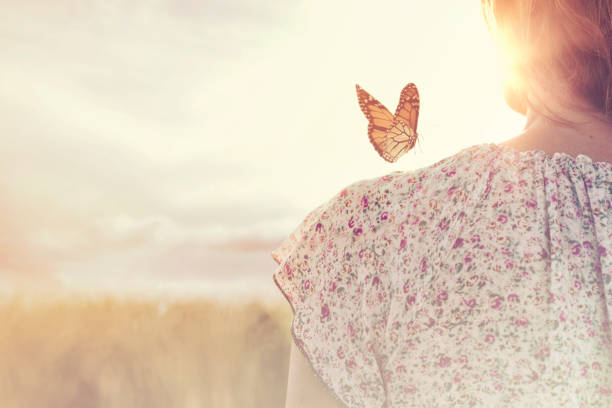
[485, 279]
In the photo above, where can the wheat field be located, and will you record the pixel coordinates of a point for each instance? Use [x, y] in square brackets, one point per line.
[141, 353]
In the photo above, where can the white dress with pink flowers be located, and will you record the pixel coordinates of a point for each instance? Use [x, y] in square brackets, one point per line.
[483, 280]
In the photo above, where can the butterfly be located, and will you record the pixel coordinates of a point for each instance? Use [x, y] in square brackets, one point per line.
[391, 135]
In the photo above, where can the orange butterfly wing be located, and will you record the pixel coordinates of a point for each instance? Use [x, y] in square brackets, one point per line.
[391, 135]
[375, 111]
[408, 106]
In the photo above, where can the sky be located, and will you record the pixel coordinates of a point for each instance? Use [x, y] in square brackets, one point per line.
[156, 146]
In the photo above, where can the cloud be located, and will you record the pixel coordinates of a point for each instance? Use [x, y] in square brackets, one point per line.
[146, 141]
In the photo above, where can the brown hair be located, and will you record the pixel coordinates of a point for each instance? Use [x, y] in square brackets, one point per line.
[565, 42]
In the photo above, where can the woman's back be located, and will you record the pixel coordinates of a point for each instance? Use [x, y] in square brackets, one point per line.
[481, 280]
[485, 279]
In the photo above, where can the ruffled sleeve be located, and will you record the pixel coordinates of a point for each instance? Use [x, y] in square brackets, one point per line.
[328, 293]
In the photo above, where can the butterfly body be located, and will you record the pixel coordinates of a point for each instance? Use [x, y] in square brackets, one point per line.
[391, 135]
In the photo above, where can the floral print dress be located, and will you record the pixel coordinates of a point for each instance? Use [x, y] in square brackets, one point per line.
[483, 280]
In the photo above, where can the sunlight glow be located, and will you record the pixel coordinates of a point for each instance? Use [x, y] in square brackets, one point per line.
[136, 131]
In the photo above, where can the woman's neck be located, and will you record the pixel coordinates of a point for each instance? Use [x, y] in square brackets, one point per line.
[588, 135]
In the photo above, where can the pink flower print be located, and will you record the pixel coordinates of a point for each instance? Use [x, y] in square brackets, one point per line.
[400, 369]
[513, 297]
[340, 353]
[490, 338]
[451, 173]
[591, 332]
[384, 215]
[562, 316]
[487, 189]
[442, 225]
[522, 183]
[288, 270]
[554, 198]
[423, 265]
[318, 227]
[332, 286]
[496, 303]
[470, 303]
[350, 364]
[587, 244]
[509, 265]
[406, 286]
[605, 390]
[467, 258]
[307, 284]
[457, 378]
[458, 243]
[361, 253]
[463, 359]
[543, 353]
[409, 389]
[475, 238]
[351, 330]
[351, 223]
[442, 296]
[602, 251]
[531, 203]
[502, 218]
[375, 281]
[324, 312]
[411, 299]
[343, 193]
[444, 361]
[576, 249]
[403, 243]
[585, 370]
[521, 322]
[595, 365]
[588, 183]
[577, 284]
[508, 188]
[357, 231]
[364, 201]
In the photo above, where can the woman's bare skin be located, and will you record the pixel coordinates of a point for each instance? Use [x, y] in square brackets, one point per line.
[591, 135]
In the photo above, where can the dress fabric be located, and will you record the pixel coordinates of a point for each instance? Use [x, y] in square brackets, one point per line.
[482, 280]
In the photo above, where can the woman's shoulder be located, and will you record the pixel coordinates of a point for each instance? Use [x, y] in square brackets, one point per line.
[442, 178]
[424, 195]
[469, 162]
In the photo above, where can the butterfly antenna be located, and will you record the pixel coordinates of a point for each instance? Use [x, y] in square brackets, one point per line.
[419, 143]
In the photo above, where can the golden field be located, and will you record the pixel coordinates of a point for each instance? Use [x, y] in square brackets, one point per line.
[143, 353]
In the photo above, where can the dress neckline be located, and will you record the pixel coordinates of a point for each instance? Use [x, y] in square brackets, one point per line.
[556, 156]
